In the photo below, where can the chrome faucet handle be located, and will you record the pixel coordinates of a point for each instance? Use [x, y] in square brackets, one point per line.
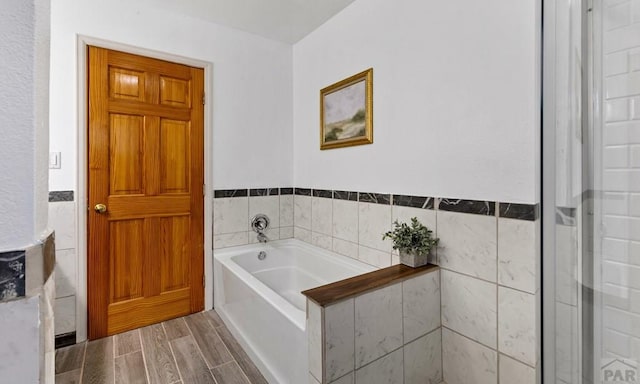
[260, 222]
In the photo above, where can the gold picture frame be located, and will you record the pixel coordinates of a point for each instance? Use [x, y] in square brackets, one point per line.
[346, 112]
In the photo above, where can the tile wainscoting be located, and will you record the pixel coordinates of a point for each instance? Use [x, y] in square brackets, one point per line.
[62, 219]
[489, 256]
[386, 335]
[234, 208]
[486, 247]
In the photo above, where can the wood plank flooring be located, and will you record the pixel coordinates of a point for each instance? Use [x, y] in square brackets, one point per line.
[191, 350]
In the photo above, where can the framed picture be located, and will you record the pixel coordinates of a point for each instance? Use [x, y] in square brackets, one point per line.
[346, 112]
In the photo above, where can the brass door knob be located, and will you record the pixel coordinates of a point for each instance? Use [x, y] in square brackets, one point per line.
[100, 208]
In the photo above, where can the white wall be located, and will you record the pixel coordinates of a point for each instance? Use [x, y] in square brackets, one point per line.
[250, 105]
[24, 80]
[456, 98]
[23, 117]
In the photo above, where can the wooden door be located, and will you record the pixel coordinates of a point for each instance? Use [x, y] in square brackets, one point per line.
[145, 252]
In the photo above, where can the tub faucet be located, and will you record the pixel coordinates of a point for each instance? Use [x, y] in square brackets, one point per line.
[262, 238]
[260, 223]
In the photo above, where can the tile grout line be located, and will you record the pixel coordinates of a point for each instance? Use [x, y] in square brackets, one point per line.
[144, 358]
[382, 357]
[422, 335]
[354, 337]
[440, 290]
[198, 346]
[489, 281]
[441, 320]
[497, 294]
[84, 360]
[225, 346]
[113, 352]
[404, 379]
[323, 350]
[215, 329]
[229, 363]
[331, 222]
[488, 347]
[164, 330]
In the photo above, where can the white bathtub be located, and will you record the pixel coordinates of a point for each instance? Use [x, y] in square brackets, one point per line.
[261, 304]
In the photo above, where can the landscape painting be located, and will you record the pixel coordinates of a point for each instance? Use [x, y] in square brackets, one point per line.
[346, 112]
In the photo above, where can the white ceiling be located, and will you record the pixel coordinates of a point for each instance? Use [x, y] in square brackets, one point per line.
[284, 20]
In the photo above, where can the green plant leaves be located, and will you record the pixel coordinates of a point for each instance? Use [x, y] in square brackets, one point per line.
[412, 238]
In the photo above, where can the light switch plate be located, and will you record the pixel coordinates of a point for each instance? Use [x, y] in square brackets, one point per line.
[54, 160]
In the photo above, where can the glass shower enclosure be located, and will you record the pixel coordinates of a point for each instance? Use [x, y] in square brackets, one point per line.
[591, 191]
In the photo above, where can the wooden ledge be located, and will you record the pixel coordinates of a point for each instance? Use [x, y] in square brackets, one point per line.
[344, 289]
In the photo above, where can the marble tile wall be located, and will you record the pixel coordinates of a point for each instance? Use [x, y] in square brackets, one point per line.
[62, 219]
[352, 223]
[389, 335]
[233, 210]
[490, 298]
[489, 254]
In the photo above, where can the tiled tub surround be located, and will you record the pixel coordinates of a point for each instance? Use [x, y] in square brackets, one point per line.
[388, 331]
[234, 208]
[489, 254]
[490, 295]
[62, 218]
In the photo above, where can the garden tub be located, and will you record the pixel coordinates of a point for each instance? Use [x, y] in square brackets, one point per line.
[259, 300]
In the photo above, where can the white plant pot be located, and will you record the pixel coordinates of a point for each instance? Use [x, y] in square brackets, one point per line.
[413, 259]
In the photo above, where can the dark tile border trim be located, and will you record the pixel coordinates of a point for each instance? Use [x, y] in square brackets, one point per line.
[303, 191]
[528, 212]
[376, 198]
[12, 275]
[263, 192]
[221, 193]
[326, 193]
[57, 196]
[413, 201]
[65, 340]
[345, 195]
[487, 208]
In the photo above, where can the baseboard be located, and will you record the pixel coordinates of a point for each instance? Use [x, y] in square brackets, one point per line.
[65, 340]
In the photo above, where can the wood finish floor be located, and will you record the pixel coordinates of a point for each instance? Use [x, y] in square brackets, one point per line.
[189, 350]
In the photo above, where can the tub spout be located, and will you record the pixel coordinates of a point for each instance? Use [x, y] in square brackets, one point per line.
[262, 238]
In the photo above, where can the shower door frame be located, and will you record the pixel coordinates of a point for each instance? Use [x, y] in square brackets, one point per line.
[588, 298]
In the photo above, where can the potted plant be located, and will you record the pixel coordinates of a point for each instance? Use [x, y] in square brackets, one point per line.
[414, 242]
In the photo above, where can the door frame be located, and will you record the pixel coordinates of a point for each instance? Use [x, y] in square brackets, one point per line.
[82, 167]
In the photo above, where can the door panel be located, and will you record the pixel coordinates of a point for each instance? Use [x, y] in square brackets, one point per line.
[174, 156]
[126, 134]
[175, 92]
[175, 253]
[146, 135]
[126, 258]
[125, 84]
